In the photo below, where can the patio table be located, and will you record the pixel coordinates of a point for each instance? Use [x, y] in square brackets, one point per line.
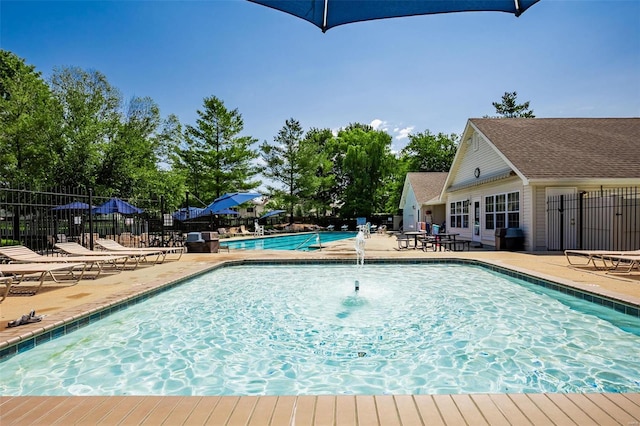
[415, 234]
[440, 237]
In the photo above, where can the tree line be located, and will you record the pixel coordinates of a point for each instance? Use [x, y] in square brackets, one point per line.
[76, 130]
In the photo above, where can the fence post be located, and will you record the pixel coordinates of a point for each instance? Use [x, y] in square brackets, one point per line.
[91, 219]
[561, 211]
[161, 220]
[580, 219]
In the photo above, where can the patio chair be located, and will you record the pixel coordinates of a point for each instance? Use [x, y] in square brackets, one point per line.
[75, 249]
[620, 259]
[22, 254]
[593, 255]
[344, 228]
[161, 252]
[244, 231]
[331, 228]
[258, 230]
[403, 241]
[7, 282]
[18, 273]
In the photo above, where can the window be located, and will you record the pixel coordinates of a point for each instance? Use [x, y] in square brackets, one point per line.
[502, 211]
[459, 214]
[249, 209]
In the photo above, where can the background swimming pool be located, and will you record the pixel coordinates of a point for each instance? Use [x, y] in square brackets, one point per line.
[296, 330]
[302, 241]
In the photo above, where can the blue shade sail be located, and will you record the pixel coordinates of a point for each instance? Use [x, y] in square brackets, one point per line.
[76, 205]
[272, 213]
[184, 213]
[116, 205]
[326, 14]
[228, 200]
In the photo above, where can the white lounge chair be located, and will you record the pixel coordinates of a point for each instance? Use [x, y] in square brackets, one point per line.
[75, 249]
[618, 260]
[19, 272]
[592, 255]
[161, 252]
[7, 282]
[22, 254]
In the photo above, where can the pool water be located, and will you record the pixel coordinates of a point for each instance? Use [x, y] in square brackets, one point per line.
[304, 241]
[299, 330]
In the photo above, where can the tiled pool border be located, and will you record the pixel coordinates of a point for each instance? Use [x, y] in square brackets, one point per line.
[14, 348]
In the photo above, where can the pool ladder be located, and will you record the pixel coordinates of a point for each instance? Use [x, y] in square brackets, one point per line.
[316, 235]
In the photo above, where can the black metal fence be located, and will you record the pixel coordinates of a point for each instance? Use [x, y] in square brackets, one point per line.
[39, 219]
[608, 219]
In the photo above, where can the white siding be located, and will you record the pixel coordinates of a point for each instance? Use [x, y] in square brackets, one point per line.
[409, 214]
[485, 158]
[508, 185]
[539, 225]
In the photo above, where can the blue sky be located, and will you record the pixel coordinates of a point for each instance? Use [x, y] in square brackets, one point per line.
[578, 58]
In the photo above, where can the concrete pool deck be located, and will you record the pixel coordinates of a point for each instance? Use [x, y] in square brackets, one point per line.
[62, 304]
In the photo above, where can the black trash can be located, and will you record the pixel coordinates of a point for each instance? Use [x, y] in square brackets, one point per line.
[500, 238]
[211, 242]
[514, 239]
[194, 243]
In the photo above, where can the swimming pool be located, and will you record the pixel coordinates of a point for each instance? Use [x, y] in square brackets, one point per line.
[305, 241]
[295, 330]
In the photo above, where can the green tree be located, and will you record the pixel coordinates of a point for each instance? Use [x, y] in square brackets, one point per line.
[129, 166]
[91, 120]
[289, 162]
[214, 158]
[509, 108]
[427, 152]
[364, 165]
[30, 119]
[321, 179]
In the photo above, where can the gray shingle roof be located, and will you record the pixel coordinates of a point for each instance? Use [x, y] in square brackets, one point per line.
[542, 148]
[426, 185]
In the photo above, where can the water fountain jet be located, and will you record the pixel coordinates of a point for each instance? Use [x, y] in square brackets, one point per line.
[360, 242]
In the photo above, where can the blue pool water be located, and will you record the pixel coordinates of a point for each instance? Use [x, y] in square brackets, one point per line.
[303, 241]
[296, 330]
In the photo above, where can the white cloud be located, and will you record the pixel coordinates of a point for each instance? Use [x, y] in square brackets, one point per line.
[398, 133]
[378, 124]
[403, 133]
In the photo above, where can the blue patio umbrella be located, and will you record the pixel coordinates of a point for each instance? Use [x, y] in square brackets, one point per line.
[228, 200]
[326, 14]
[272, 213]
[226, 211]
[217, 212]
[116, 205]
[76, 205]
[184, 213]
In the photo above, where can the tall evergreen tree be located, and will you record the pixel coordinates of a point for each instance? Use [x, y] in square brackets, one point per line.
[287, 162]
[214, 157]
[509, 108]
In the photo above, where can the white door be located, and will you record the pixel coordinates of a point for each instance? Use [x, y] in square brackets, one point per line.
[476, 234]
